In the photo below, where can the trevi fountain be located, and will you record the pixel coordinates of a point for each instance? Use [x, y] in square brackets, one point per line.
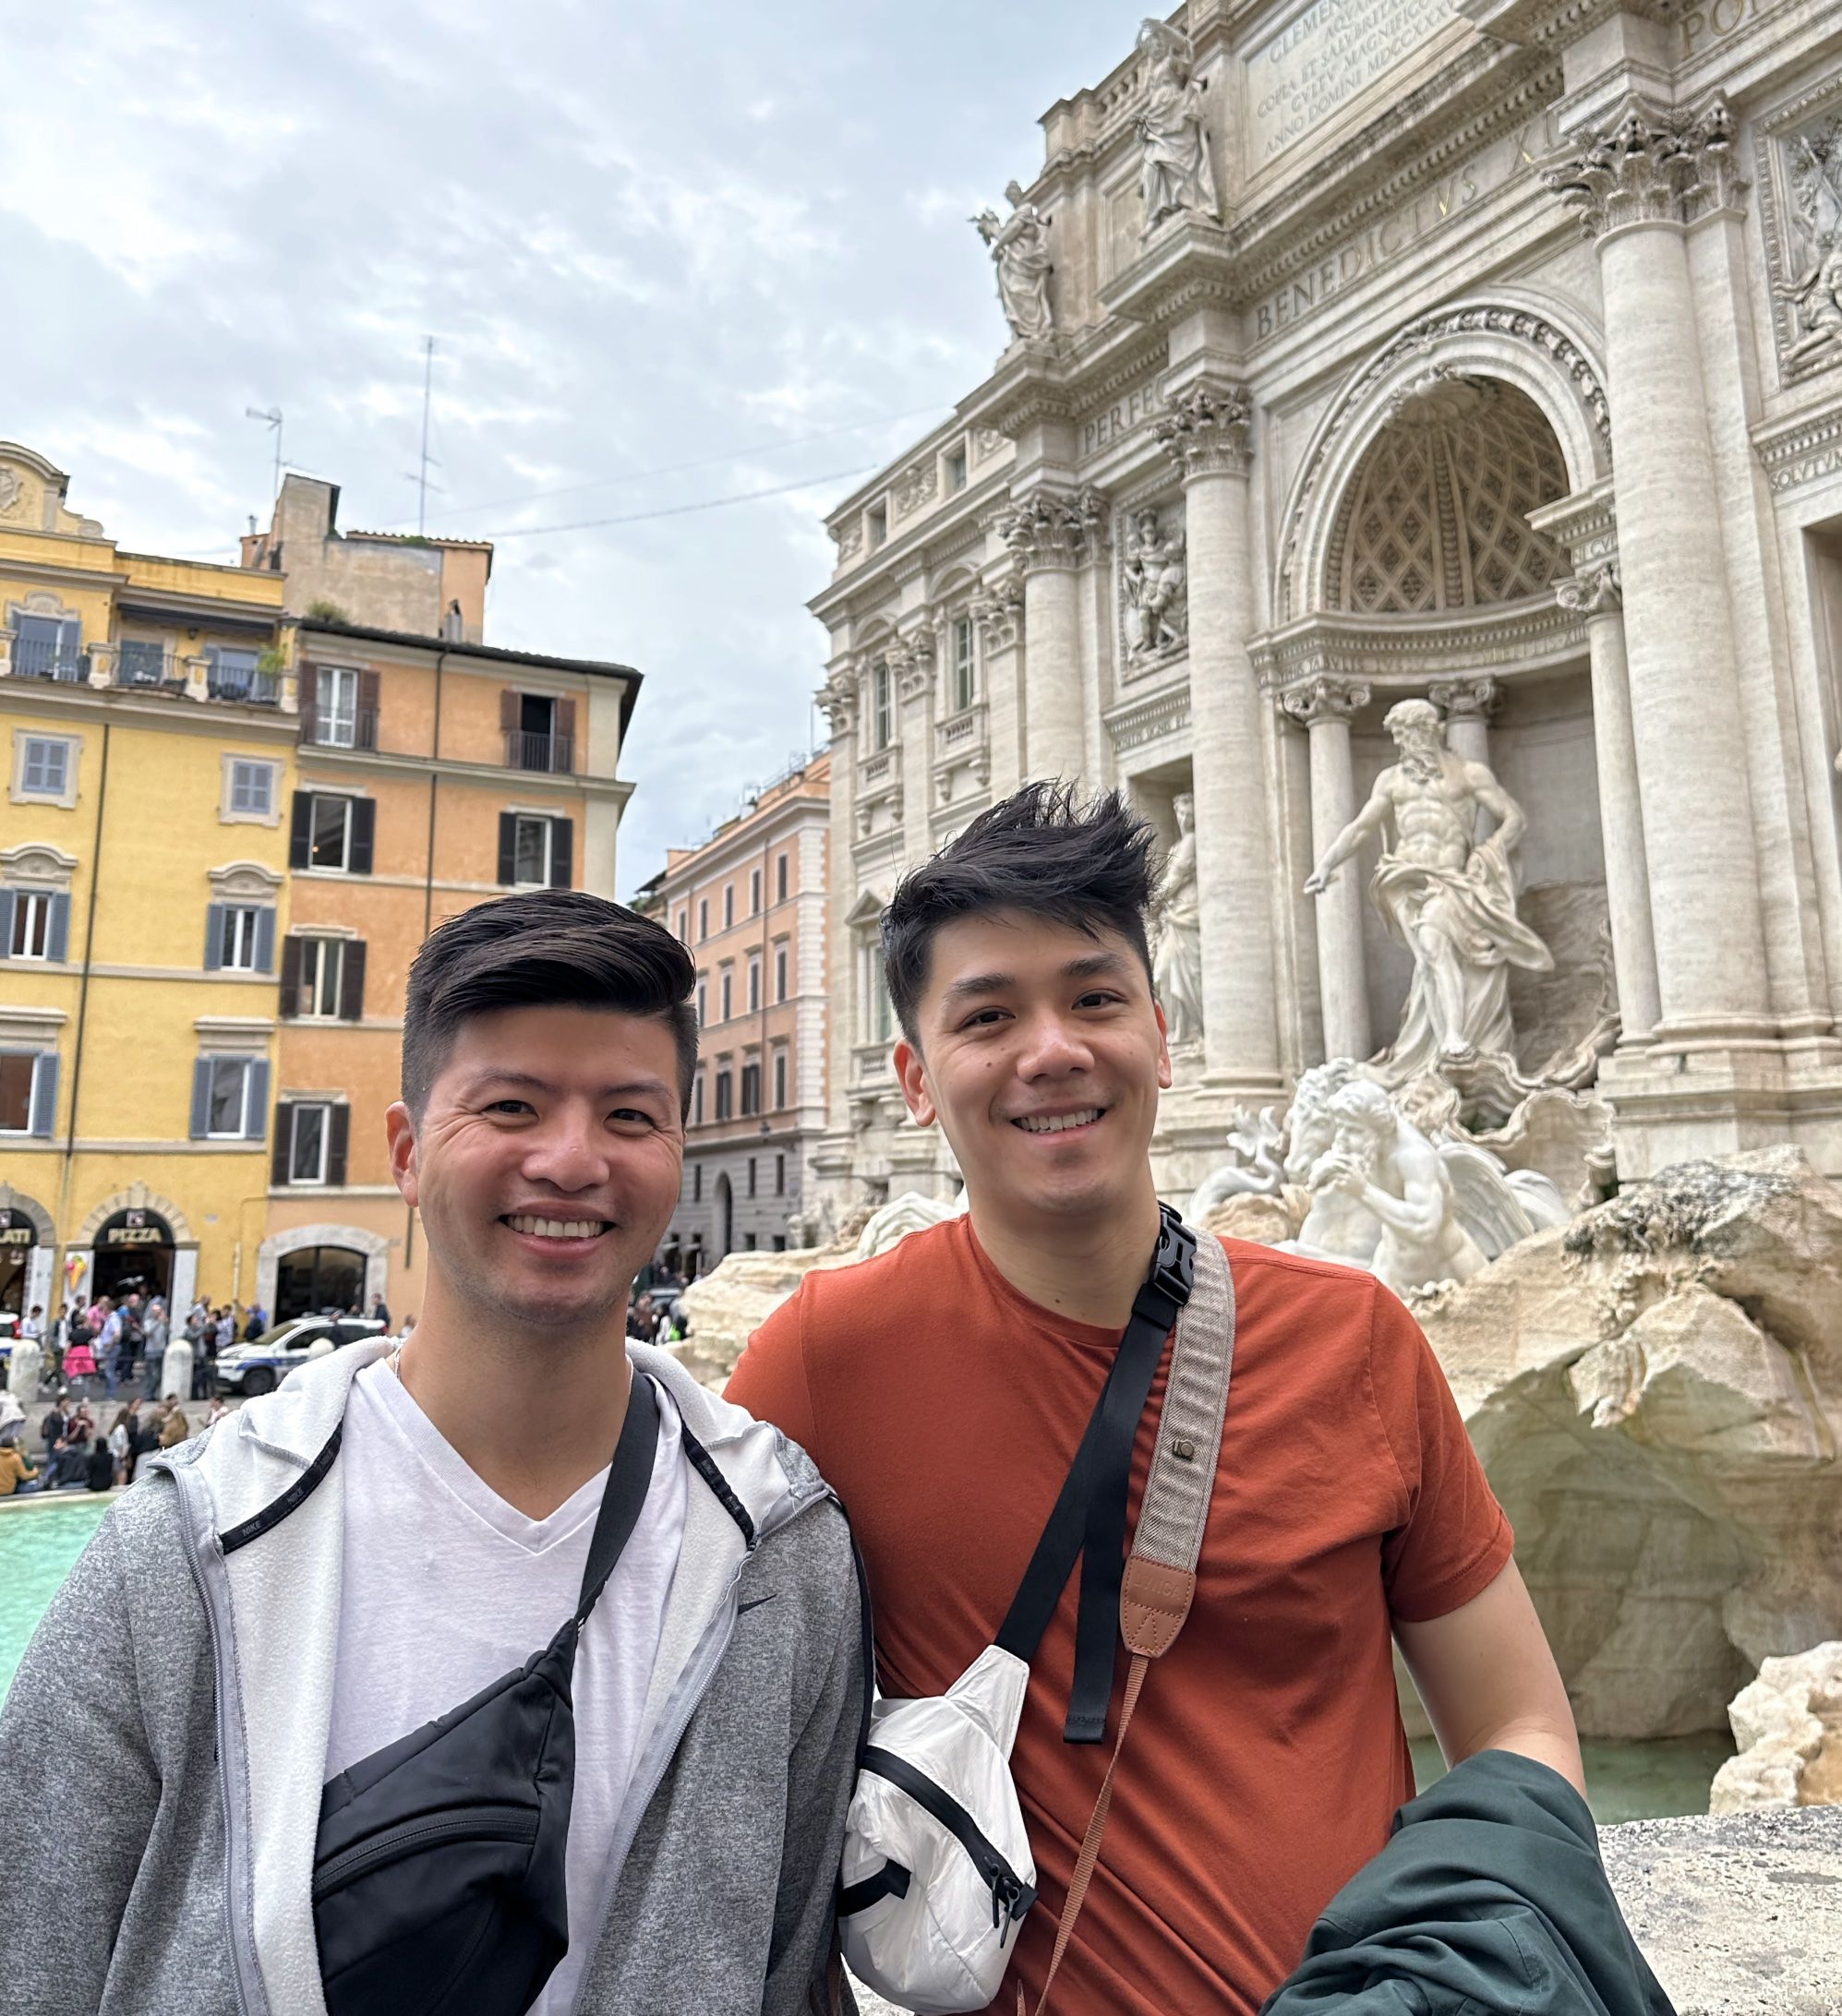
[1413, 472]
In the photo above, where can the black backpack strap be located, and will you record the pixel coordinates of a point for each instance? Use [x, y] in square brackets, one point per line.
[1089, 1516]
[629, 1477]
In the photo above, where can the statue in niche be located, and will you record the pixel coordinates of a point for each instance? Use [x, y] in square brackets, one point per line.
[1815, 295]
[1176, 957]
[1155, 578]
[1175, 173]
[1448, 896]
[1020, 252]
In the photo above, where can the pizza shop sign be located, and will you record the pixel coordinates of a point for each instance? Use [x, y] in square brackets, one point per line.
[137, 1227]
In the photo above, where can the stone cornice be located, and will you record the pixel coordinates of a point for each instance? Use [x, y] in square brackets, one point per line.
[1351, 189]
[1586, 523]
[1148, 718]
[1522, 636]
[1801, 449]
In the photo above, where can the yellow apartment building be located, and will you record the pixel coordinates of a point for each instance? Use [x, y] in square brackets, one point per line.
[750, 903]
[149, 726]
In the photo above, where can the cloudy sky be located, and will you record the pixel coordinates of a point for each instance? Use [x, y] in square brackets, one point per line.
[669, 254]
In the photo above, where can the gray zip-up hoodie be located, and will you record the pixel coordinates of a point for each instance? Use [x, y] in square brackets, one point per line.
[164, 1746]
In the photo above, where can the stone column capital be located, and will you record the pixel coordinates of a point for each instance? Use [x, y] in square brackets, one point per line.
[1464, 700]
[1597, 591]
[838, 696]
[1205, 433]
[1322, 699]
[998, 610]
[1055, 528]
[911, 660]
[1651, 164]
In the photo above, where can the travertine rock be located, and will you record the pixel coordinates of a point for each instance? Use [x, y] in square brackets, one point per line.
[1656, 1390]
[738, 1294]
[1789, 1727]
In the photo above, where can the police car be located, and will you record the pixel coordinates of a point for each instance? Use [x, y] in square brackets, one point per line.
[260, 1366]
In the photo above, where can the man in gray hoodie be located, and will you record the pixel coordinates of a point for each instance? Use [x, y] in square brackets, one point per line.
[395, 1530]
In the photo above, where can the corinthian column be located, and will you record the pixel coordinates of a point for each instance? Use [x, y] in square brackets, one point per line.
[1205, 435]
[1595, 595]
[1637, 187]
[1051, 535]
[1466, 705]
[1325, 706]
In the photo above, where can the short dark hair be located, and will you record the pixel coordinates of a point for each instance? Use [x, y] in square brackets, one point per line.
[1040, 852]
[547, 948]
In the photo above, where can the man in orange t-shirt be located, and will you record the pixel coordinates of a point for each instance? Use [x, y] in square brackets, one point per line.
[943, 1390]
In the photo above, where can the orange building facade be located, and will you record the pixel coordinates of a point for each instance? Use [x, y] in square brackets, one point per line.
[433, 774]
[750, 903]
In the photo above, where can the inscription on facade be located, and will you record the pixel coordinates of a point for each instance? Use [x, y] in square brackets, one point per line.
[1713, 20]
[1112, 422]
[1363, 252]
[1323, 59]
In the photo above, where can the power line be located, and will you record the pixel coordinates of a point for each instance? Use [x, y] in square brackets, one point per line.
[672, 469]
[679, 511]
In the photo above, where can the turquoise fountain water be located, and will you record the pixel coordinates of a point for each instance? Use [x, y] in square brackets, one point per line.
[1627, 1781]
[39, 1542]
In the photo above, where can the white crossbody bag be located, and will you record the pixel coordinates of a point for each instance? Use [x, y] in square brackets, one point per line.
[937, 1869]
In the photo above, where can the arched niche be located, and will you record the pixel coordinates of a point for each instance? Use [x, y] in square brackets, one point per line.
[1524, 354]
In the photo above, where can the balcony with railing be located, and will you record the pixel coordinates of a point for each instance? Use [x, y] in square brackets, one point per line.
[43, 658]
[146, 666]
[525, 750]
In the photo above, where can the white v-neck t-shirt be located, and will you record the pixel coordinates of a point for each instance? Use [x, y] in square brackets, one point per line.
[446, 1588]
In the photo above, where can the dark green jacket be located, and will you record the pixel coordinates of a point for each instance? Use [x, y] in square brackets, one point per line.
[1490, 1900]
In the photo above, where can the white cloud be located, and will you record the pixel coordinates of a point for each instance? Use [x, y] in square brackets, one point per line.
[644, 236]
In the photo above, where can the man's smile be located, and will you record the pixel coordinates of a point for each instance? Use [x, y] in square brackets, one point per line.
[555, 1230]
[1075, 1119]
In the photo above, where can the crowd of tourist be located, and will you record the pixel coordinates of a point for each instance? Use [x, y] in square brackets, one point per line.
[76, 1454]
[98, 1348]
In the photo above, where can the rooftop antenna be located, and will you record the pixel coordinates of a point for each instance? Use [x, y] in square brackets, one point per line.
[270, 417]
[421, 477]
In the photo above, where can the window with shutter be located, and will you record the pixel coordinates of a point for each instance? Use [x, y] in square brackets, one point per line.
[18, 1071]
[292, 953]
[339, 1127]
[562, 848]
[507, 848]
[44, 1095]
[352, 981]
[364, 829]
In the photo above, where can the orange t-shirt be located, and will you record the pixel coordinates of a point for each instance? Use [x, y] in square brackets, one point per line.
[1267, 1757]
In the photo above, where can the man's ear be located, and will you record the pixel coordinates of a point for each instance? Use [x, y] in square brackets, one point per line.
[399, 1130]
[912, 1074]
[1163, 1045]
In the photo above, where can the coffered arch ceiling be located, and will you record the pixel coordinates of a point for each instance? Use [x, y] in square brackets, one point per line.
[1434, 516]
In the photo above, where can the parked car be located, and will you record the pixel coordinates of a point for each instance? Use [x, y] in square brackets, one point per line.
[260, 1366]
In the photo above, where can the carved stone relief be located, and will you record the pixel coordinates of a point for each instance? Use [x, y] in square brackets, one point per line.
[1801, 210]
[1153, 587]
[916, 485]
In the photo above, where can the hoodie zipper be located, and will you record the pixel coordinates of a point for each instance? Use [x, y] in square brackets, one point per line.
[698, 1675]
[250, 1998]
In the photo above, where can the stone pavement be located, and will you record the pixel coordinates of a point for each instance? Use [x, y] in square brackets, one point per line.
[1738, 1916]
